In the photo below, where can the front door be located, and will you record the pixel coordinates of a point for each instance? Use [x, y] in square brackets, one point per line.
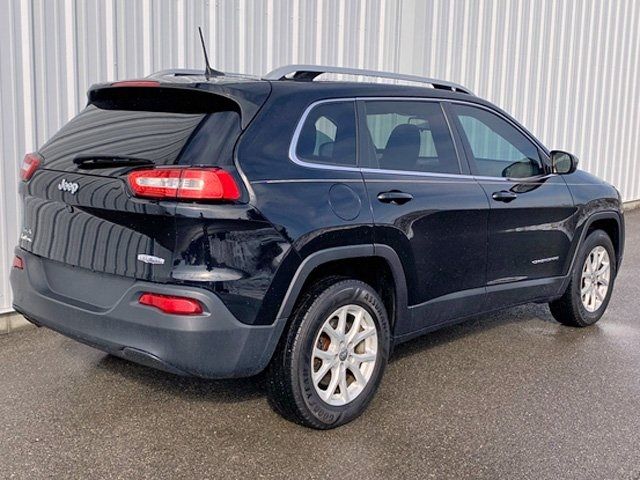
[531, 209]
[426, 206]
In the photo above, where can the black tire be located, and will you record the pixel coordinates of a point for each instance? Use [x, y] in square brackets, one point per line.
[289, 382]
[569, 309]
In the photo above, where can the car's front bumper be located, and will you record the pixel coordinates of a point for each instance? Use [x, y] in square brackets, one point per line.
[103, 311]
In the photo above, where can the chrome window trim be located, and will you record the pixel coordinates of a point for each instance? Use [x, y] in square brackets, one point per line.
[452, 179]
[534, 141]
[446, 119]
[321, 166]
[417, 174]
[465, 102]
[296, 136]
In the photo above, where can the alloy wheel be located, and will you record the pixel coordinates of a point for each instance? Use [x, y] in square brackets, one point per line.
[594, 283]
[344, 355]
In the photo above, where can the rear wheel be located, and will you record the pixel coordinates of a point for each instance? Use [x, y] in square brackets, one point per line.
[332, 359]
[589, 291]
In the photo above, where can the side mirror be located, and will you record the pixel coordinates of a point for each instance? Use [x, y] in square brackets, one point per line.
[563, 163]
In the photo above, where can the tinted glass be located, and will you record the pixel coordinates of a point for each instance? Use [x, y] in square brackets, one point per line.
[165, 137]
[413, 136]
[329, 135]
[498, 148]
[213, 142]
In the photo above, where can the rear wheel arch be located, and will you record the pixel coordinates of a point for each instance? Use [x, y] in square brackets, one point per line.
[375, 264]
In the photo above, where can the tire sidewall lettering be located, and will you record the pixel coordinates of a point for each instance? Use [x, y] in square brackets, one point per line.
[324, 412]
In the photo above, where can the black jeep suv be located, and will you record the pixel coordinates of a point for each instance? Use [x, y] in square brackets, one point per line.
[223, 226]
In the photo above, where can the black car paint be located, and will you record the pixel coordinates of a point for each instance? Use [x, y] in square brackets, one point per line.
[454, 251]
[472, 207]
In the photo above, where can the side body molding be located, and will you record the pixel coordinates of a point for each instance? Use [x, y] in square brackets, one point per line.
[340, 253]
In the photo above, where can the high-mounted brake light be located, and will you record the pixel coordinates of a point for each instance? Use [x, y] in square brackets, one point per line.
[29, 165]
[136, 83]
[184, 184]
[172, 304]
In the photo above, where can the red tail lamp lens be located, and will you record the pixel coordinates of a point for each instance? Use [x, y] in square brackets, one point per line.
[184, 184]
[172, 304]
[18, 263]
[30, 164]
[161, 183]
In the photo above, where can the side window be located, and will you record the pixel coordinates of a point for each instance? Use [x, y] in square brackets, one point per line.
[497, 147]
[329, 135]
[410, 136]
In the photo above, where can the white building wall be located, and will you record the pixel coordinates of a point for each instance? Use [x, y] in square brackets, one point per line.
[566, 68]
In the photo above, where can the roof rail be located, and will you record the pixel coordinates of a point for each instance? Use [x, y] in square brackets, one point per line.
[309, 72]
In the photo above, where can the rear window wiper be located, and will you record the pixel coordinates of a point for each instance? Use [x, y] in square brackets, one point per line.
[109, 161]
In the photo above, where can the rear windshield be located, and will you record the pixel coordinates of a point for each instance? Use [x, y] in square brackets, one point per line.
[136, 129]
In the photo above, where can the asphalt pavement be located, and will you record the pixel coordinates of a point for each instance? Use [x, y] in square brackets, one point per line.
[509, 395]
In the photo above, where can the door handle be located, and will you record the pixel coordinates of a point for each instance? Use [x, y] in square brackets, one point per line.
[504, 196]
[396, 197]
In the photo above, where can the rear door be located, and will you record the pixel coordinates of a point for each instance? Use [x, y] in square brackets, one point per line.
[426, 206]
[78, 208]
[531, 209]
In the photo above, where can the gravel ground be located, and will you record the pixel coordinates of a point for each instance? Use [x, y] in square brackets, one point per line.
[510, 395]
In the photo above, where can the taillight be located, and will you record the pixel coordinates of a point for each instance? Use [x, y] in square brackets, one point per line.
[184, 184]
[136, 83]
[171, 304]
[18, 262]
[155, 183]
[29, 165]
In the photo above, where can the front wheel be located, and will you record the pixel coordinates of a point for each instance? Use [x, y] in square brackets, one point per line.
[331, 362]
[589, 291]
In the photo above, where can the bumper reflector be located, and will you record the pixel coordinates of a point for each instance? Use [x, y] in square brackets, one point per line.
[171, 304]
[18, 262]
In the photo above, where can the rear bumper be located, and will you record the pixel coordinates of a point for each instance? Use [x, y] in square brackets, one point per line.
[212, 345]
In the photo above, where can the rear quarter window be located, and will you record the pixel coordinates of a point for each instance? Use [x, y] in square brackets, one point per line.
[328, 134]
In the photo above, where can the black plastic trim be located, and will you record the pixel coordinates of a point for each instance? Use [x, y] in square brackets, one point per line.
[321, 257]
[214, 344]
[606, 215]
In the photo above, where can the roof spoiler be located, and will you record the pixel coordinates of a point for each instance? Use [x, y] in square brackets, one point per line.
[192, 94]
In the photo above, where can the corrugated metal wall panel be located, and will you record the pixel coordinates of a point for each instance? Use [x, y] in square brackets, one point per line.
[565, 68]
